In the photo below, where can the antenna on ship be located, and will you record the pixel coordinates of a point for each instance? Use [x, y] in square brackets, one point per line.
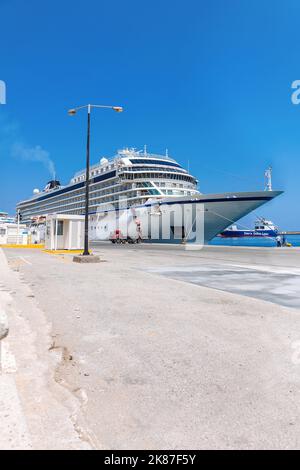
[145, 149]
[268, 179]
[167, 152]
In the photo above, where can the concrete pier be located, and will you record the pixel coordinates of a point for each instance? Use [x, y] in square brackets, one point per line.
[159, 347]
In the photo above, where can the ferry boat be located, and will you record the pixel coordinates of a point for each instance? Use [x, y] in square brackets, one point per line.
[150, 196]
[262, 228]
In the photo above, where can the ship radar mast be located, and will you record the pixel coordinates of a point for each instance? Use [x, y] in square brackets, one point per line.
[268, 179]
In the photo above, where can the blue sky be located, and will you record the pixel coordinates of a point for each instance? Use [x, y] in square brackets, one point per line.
[211, 81]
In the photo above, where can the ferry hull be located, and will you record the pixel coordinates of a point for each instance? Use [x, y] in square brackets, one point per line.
[248, 233]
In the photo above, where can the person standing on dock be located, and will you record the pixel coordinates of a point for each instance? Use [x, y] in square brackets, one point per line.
[284, 242]
[279, 241]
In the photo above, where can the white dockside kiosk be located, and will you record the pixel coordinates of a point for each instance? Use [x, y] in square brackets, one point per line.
[64, 232]
[13, 233]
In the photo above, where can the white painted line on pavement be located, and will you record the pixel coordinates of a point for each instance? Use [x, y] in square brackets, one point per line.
[25, 260]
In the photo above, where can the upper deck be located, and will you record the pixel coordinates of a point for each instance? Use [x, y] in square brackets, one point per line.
[128, 158]
[127, 166]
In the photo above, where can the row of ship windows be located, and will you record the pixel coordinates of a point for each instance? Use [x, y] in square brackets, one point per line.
[154, 176]
[77, 201]
[77, 195]
[77, 179]
[99, 171]
[93, 195]
[74, 209]
[175, 185]
[112, 187]
[135, 169]
[174, 174]
[79, 208]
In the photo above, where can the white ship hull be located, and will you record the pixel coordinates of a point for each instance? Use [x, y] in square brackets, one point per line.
[196, 219]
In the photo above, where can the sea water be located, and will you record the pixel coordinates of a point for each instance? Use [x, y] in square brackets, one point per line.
[254, 241]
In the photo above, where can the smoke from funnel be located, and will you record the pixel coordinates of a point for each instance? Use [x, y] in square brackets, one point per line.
[34, 154]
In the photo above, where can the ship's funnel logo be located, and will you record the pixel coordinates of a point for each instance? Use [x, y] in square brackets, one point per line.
[2, 92]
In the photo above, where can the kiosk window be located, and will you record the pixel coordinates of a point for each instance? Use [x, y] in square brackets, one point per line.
[60, 227]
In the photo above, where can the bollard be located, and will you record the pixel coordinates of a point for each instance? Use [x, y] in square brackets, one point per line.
[3, 331]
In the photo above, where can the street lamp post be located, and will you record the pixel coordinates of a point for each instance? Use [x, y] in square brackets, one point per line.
[72, 112]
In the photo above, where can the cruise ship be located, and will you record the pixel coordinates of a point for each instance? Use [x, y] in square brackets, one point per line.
[147, 197]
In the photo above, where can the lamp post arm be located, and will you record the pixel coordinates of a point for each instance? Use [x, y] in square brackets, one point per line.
[89, 106]
[101, 106]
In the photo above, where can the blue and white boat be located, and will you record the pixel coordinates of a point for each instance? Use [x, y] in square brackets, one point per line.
[262, 228]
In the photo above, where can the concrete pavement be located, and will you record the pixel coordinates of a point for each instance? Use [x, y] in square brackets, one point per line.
[35, 412]
[158, 362]
[13, 428]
